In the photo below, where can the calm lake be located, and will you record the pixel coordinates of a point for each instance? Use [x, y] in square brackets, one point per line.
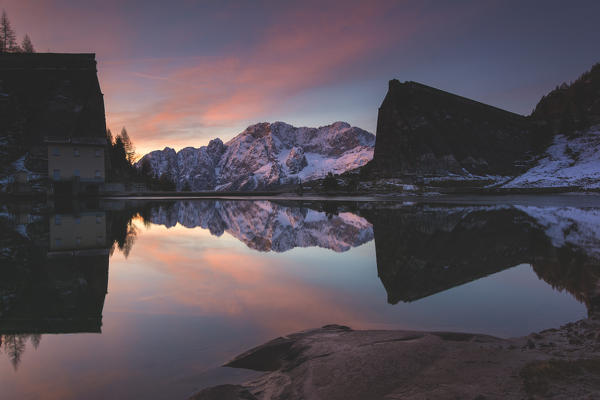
[147, 298]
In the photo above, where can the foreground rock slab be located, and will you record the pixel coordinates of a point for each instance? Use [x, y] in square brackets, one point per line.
[336, 362]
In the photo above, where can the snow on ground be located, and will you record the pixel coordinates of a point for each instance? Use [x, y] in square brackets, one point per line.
[568, 162]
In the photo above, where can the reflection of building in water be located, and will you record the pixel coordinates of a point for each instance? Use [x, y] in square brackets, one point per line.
[85, 231]
[62, 288]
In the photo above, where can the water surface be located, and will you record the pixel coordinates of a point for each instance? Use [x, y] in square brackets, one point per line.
[128, 299]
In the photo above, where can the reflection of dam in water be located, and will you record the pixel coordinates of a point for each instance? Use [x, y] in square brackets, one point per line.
[423, 250]
[58, 281]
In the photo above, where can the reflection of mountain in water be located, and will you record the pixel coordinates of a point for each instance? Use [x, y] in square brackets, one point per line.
[55, 268]
[422, 250]
[268, 226]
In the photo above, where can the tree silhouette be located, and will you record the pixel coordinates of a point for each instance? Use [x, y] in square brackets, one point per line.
[8, 38]
[27, 45]
[146, 169]
[330, 182]
[36, 338]
[14, 346]
[109, 137]
[128, 145]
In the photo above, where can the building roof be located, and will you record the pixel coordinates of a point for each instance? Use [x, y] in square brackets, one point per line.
[48, 61]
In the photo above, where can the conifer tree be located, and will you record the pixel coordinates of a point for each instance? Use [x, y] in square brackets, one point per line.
[109, 137]
[27, 45]
[128, 145]
[8, 38]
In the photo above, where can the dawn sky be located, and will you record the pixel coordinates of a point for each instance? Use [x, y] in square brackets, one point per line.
[180, 73]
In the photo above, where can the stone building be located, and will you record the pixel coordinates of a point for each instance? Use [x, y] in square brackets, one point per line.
[78, 162]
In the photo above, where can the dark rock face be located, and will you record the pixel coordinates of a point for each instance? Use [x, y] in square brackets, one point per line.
[426, 131]
[47, 95]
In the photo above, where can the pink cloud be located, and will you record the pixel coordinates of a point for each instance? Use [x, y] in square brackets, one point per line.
[305, 49]
[171, 98]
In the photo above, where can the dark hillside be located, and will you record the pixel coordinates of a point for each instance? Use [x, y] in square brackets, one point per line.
[571, 107]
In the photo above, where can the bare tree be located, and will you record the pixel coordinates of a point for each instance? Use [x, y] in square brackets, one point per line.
[8, 38]
[27, 45]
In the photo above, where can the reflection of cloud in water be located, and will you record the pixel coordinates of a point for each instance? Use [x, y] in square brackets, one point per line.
[196, 297]
[205, 279]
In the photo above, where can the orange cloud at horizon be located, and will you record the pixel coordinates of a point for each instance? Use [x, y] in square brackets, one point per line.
[183, 74]
[223, 94]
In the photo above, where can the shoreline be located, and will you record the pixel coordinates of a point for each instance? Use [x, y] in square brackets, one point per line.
[335, 362]
[383, 195]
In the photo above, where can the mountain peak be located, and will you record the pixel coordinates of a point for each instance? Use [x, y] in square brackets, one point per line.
[265, 155]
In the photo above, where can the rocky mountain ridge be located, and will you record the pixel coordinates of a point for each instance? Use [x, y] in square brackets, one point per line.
[263, 156]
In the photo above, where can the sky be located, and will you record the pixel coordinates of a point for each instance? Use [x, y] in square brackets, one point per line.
[180, 73]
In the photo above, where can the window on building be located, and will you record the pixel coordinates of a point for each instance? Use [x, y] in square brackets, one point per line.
[56, 174]
[98, 152]
[57, 220]
[99, 239]
[55, 151]
[78, 220]
[76, 173]
[76, 152]
[98, 219]
[78, 240]
[58, 242]
[97, 174]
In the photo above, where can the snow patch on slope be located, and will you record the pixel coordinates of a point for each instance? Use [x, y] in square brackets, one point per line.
[568, 162]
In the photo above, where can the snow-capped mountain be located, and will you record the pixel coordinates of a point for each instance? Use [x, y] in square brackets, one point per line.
[267, 226]
[264, 155]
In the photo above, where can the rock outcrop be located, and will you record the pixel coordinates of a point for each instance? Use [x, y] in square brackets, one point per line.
[336, 362]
